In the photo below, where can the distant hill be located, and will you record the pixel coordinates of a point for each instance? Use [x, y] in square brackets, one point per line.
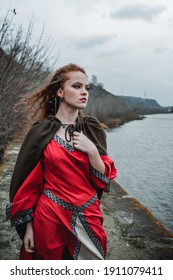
[108, 108]
[114, 110]
[143, 105]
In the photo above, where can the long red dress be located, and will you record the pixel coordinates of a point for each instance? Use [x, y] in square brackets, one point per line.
[59, 196]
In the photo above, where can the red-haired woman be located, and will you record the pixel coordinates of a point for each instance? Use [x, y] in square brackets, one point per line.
[61, 171]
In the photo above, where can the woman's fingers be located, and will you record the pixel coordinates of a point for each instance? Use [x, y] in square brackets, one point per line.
[76, 135]
[29, 246]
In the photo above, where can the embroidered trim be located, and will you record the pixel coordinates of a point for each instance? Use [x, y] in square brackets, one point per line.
[76, 250]
[99, 175]
[63, 143]
[108, 187]
[77, 212]
[67, 205]
[91, 234]
[22, 220]
[20, 217]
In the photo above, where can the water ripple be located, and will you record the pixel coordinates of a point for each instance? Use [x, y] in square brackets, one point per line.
[143, 154]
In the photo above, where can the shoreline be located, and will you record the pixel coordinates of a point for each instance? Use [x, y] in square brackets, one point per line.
[135, 233]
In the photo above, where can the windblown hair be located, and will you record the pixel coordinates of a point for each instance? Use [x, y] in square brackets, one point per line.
[45, 101]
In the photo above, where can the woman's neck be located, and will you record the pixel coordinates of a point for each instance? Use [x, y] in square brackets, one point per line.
[67, 117]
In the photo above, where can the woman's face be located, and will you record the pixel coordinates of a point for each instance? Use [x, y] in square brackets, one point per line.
[75, 90]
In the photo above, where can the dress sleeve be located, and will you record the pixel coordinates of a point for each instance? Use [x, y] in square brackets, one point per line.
[100, 180]
[21, 209]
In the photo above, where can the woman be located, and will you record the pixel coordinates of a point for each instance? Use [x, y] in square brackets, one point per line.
[60, 173]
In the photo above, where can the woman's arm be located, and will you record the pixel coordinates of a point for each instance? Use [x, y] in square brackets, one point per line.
[95, 160]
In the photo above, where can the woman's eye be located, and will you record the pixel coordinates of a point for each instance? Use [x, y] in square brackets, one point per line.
[76, 86]
[79, 86]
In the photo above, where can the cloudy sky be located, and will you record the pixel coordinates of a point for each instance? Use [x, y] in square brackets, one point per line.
[127, 44]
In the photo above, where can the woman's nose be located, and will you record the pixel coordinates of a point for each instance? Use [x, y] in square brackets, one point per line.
[84, 91]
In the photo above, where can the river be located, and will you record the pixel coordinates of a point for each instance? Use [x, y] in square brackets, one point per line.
[143, 155]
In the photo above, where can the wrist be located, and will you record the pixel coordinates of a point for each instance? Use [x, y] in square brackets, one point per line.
[92, 151]
[29, 225]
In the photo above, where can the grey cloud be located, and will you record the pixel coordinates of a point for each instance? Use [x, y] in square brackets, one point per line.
[138, 11]
[114, 52]
[161, 50]
[94, 40]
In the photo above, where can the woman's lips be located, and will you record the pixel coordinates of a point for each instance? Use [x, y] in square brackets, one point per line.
[83, 100]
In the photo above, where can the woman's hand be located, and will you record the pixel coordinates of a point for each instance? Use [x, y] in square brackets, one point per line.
[84, 144]
[29, 238]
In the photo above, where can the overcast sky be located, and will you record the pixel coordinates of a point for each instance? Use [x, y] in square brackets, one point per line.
[127, 44]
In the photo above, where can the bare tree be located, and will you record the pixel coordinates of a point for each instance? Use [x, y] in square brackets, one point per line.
[24, 65]
[94, 80]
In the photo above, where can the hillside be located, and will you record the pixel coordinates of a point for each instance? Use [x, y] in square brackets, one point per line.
[144, 106]
[114, 110]
[108, 108]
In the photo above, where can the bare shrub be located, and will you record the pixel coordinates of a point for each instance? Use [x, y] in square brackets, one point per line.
[24, 66]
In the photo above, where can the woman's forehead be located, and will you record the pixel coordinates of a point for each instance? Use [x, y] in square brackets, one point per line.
[77, 76]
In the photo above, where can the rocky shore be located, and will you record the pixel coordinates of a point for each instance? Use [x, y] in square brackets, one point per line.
[133, 232]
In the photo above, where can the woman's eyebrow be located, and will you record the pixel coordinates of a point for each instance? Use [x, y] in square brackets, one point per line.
[76, 82]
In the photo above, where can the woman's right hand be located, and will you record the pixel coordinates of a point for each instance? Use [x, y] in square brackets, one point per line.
[29, 238]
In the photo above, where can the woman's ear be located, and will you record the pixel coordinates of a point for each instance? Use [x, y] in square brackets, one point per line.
[60, 92]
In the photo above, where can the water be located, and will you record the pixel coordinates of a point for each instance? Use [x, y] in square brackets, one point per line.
[143, 155]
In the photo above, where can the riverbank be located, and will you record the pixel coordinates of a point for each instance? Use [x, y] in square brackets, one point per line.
[116, 122]
[133, 232]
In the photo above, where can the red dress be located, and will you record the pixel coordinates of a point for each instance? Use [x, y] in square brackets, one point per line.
[59, 196]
